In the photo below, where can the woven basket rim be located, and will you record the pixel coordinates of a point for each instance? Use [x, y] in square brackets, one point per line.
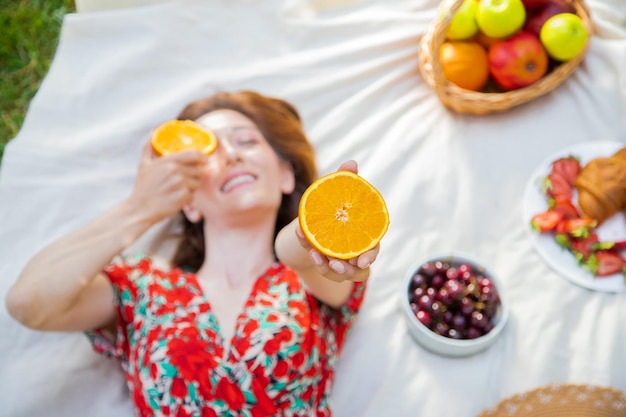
[467, 101]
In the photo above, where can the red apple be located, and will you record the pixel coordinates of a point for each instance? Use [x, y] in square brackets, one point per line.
[531, 5]
[518, 61]
[535, 21]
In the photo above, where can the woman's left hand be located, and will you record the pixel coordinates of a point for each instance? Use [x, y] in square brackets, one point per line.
[354, 269]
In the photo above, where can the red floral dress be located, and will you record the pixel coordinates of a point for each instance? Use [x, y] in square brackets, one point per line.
[281, 360]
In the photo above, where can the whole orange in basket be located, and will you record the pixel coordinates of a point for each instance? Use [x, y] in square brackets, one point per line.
[342, 215]
[465, 64]
[179, 135]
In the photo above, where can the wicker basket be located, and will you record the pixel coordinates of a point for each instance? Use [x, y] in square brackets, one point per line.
[467, 101]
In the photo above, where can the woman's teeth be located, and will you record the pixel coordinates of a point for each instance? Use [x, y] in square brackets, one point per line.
[236, 181]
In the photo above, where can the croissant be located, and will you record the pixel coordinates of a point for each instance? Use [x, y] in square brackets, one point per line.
[601, 187]
[621, 154]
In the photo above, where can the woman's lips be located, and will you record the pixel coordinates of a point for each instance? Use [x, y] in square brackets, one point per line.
[236, 181]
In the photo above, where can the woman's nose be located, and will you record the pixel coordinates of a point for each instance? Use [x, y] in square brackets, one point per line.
[231, 152]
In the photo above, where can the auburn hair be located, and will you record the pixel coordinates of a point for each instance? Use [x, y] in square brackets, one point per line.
[280, 124]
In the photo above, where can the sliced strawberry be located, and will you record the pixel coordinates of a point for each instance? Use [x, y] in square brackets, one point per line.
[617, 246]
[561, 228]
[557, 187]
[605, 263]
[546, 221]
[563, 240]
[568, 167]
[584, 248]
[566, 207]
[580, 228]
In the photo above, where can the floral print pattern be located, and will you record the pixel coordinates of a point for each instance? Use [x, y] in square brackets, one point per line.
[281, 359]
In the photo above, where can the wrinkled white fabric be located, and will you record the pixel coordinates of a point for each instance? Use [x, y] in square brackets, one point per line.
[452, 183]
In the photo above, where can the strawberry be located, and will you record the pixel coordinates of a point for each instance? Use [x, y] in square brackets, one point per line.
[568, 167]
[605, 263]
[566, 207]
[556, 186]
[546, 221]
[563, 240]
[584, 248]
[581, 248]
[617, 246]
[579, 228]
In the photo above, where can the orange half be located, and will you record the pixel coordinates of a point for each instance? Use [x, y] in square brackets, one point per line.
[179, 135]
[342, 215]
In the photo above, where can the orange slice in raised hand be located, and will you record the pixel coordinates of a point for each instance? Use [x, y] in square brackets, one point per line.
[179, 135]
[342, 215]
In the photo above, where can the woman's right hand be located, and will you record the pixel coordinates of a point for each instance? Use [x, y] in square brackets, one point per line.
[165, 184]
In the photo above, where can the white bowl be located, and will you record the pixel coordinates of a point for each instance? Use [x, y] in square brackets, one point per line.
[445, 345]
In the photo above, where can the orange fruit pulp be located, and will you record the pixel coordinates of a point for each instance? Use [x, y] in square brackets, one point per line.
[179, 135]
[342, 215]
[465, 63]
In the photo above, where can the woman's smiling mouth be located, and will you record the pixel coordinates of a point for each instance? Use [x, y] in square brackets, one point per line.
[236, 181]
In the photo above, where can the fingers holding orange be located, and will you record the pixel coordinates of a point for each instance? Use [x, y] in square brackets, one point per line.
[337, 269]
[354, 269]
[344, 270]
[366, 259]
[177, 175]
[165, 184]
[147, 152]
[350, 165]
[172, 165]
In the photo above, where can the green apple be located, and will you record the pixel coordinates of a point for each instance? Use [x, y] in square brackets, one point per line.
[463, 24]
[500, 18]
[564, 36]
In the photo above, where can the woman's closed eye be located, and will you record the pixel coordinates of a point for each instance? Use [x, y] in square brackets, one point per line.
[245, 139]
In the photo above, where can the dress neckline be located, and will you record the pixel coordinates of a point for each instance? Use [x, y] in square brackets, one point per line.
[254, 289]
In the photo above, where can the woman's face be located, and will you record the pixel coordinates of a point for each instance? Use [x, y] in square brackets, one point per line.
[244, 174]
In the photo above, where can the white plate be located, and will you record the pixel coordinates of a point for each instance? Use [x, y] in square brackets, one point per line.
[557, 257]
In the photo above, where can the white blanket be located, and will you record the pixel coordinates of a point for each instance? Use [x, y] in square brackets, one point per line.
[452, 182]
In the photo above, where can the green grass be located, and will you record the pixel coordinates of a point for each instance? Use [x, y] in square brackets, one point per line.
[29, 35]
